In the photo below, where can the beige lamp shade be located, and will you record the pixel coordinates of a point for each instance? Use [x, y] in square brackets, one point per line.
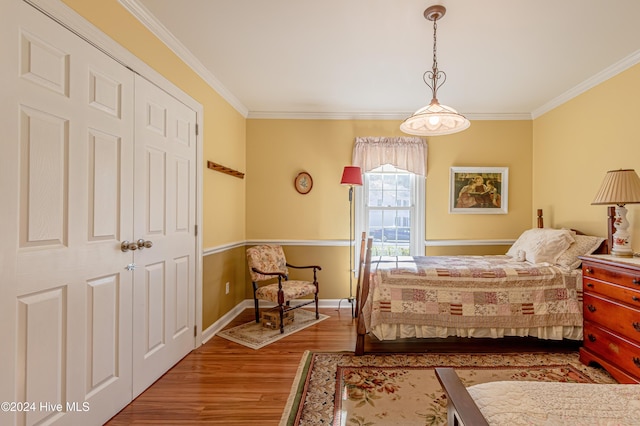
[619, 187]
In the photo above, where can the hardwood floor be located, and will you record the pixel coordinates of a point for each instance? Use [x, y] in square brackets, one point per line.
[224, 383]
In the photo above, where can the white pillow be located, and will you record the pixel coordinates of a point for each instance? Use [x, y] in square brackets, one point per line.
[542, 244]
[583, 245]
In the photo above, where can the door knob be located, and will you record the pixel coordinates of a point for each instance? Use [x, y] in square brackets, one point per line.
[126, 246]
[144, 244]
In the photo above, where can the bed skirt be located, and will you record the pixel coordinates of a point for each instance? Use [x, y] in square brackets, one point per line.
[399, 331]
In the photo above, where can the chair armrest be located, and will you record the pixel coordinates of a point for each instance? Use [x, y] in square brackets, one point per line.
[305, 267]
[280, 274]
[459, 399]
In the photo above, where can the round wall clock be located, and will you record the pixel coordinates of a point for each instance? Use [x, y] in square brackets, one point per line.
[303, 182]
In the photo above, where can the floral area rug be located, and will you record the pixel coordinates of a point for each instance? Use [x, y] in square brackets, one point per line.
[256, 335]
[402, 389]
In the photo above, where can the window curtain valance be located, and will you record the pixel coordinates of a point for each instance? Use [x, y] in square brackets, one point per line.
[408, 153]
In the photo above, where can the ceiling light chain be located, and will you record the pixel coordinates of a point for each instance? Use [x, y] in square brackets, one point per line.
[432, 77]
[434, 119]
[435, 44]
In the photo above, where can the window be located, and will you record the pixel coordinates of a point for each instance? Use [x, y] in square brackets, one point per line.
[391, 211]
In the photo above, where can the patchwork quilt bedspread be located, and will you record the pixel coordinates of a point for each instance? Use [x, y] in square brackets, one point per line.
[472, 291]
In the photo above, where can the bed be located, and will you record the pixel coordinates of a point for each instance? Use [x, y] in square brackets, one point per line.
[521, 402]
[535, 290]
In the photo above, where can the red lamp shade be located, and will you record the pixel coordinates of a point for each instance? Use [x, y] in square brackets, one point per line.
[351, 176]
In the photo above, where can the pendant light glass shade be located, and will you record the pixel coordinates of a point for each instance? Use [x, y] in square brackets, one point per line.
[435, 120]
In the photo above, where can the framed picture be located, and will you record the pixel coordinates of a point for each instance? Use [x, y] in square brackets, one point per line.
[479, 190]
[303, 183]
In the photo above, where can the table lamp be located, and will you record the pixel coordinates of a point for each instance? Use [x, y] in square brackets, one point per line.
[620, 187]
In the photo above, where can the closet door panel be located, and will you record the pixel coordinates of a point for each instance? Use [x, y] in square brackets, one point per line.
[164, 283]
[67, 190]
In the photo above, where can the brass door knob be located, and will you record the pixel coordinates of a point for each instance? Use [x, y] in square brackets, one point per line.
[127, 245]
[144, 244]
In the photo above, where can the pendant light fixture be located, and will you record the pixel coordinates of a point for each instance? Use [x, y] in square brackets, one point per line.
[435, 119]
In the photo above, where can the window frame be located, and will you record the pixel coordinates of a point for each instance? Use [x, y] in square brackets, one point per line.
[417, 212]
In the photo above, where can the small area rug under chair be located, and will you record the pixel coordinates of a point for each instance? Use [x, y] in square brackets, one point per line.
[255, 335]
[402, 389]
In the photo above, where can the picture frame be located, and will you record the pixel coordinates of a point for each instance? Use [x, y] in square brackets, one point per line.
[303, 183]
[479, 190]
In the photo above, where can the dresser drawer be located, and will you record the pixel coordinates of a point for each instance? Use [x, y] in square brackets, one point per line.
[612, 274]
[615, 316]
[614, 291]
[618, 351]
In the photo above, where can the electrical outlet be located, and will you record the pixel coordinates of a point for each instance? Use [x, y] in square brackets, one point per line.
[226, 288]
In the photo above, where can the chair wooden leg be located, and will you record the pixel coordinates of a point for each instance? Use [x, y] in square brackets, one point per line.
[281, 319]
[317, 313]
[257, 310]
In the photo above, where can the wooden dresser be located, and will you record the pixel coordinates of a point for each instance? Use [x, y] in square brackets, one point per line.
[611, 287]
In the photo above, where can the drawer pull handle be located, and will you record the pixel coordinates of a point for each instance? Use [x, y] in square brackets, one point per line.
[591, 308]
[636, 325]
[591, 337]
[636, 361]
[589, 271]
[590, 285]
[635, 298]
[636, 281]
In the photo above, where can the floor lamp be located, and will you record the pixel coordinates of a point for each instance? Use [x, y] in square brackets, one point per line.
[351, 176]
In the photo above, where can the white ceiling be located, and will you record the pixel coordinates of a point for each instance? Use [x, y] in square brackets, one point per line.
[365, 58]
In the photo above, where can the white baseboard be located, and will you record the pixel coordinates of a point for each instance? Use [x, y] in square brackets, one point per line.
[214, 328]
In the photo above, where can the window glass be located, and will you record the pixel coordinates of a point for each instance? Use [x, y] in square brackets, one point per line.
[390, 211]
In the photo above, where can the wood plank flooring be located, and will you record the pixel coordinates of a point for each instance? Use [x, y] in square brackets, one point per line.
[224, 383]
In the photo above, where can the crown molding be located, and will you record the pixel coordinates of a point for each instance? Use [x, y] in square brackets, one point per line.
[160, 31]
[591, 82]
[293, 115]
[499, 116]
[371, 116]
[147, 19]
[143, 15]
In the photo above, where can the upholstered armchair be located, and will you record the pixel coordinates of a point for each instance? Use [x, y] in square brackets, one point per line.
[267, 263]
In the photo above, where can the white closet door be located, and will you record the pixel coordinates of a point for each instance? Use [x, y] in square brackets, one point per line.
[164, 205]
[83, 168]
[67, 200]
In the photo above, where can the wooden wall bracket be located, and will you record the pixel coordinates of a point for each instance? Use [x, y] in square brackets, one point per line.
[220, 168]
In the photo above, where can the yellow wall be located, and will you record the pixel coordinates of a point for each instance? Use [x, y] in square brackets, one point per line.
[577, 143]
[277, 150]
[227, 266]
[485, 143]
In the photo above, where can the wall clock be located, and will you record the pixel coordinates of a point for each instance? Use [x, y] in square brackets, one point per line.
[303, 182]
